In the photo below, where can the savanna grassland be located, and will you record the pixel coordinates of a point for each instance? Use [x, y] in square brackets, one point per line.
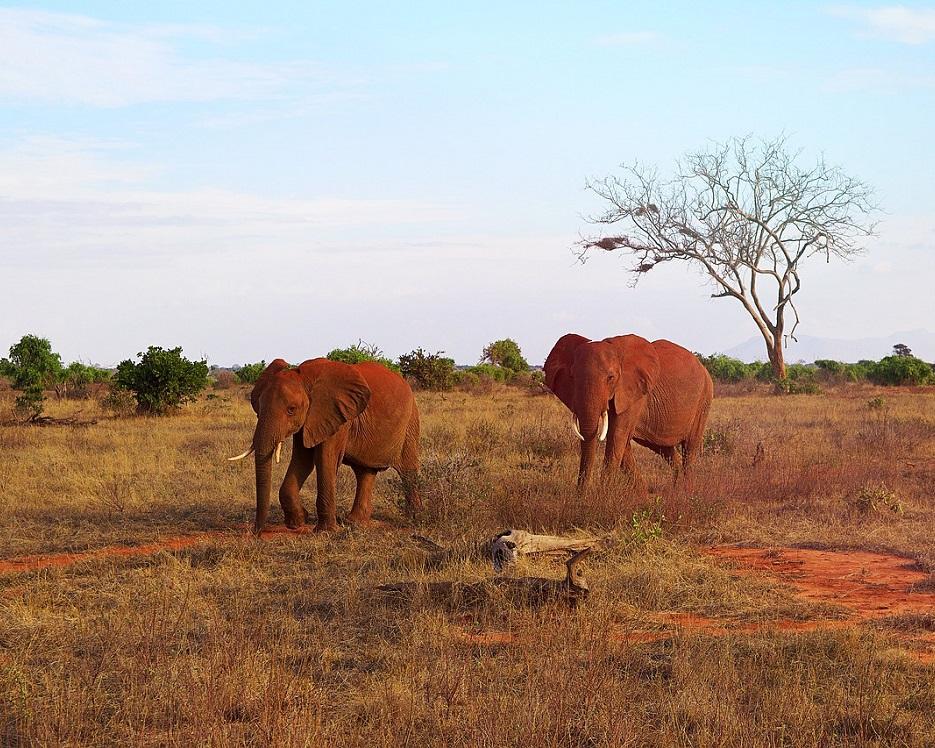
[286, 641]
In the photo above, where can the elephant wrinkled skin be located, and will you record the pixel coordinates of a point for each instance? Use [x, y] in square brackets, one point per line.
[361, 415]
[625, 388]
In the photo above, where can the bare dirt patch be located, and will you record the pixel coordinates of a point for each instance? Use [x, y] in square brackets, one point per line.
[867, 585]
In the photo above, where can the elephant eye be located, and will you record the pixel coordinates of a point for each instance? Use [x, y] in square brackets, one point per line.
[291, 410]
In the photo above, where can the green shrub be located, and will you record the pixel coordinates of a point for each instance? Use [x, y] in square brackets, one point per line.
[431, 371]
[77, 379]
[505, 353]
[901, 370]
[32, 367]
[726, 369]
[163, 380]
[791, 386]
[831, 366]
[359, 352]
[119, 402]
[490, 372]
[249, 373]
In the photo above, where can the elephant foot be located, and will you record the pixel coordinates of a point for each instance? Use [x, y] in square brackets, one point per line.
[331, 526]
[358, 518]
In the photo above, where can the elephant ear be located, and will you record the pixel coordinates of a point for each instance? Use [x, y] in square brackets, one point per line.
[264, 380]
[558, 367]
[639, 370]
[337, 393]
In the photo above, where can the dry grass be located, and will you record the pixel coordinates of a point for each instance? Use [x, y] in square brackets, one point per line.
[284, 642]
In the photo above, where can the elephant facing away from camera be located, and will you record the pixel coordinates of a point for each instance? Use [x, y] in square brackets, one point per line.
[625, 388]
[362, 415]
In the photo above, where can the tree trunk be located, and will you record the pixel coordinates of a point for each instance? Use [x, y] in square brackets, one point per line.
[776, 360]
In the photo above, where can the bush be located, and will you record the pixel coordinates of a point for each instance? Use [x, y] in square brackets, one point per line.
[490, 372]
[224, 379]
[431, 371]
[119, 402]
[32, 367]
[726, 369]
[359, 352]
[790, 386]
[77, 379]
[249, 373]
[901, 370]
[505, 353]
[162, 380]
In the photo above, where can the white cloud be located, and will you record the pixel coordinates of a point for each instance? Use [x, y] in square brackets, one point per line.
[75, 59]
[628, 39]
[77, 200]
[894, 22]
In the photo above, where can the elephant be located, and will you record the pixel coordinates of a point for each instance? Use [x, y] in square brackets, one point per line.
[621, 388]
[362, 415]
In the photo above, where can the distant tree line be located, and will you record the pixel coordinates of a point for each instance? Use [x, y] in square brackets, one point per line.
[899, 369]
[160, 380]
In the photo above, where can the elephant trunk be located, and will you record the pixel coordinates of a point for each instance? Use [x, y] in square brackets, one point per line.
[591, 426]
[264, 469]
[265, 445]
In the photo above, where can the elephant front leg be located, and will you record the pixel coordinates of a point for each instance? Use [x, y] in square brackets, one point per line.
[300, 467]
[327, 459]
[618, 440]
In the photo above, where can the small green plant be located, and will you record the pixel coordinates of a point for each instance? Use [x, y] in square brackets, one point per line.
[431, 371]
[162, 380]
[646, 525]
[877, 498]
[360, 352]
[876, 403]
[249, 373]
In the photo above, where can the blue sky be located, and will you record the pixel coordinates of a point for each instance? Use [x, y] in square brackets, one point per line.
[252, 180]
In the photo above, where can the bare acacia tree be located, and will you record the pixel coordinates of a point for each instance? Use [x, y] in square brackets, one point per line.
[748, 215]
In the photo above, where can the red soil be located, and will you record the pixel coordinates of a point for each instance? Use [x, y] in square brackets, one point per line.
[869, 585]
[176, 543]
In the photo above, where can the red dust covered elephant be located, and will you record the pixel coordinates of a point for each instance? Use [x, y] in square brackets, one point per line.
[622, 388]
[362, 415]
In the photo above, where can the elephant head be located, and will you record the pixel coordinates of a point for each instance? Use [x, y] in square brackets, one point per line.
[317, 397]
[594, 377]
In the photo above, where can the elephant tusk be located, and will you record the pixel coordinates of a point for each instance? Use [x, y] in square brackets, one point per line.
[241, 456]
[278, 452]
[577, 427]
[605, 424]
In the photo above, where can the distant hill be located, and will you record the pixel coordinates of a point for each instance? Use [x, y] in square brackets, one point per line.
[809, 348]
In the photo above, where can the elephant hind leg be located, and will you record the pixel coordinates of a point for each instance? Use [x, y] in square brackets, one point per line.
[671, 455]
[408, 467]
[363, 498]
[693, 444]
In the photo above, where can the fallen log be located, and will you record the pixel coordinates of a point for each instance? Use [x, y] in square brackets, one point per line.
[523, 591]
[505, 548]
